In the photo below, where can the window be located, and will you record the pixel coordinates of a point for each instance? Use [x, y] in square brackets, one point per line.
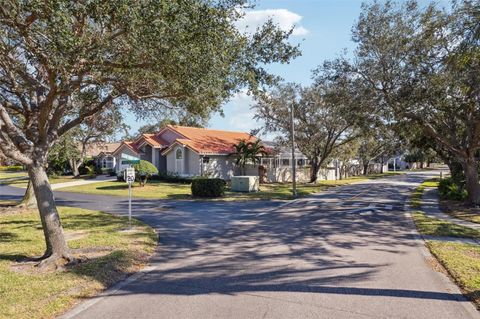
[179, 161]
[179, 154]
[206, 160]
[108, 162]
[285, 162]
[265, 161]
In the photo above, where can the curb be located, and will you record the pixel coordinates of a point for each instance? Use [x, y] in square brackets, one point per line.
[447, 280]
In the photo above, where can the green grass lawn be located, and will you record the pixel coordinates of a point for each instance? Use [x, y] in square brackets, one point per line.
[416, 197]
[163, 190]
[9, 175]
[153, 189]
[462, 262]
[53, 180]
[108, 255]
[436, 227]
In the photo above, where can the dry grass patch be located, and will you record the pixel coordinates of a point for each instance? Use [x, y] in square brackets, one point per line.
[106, 253]
[461, 210]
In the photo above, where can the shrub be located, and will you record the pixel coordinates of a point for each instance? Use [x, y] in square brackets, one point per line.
[90, 171]
[83, 170]
[11, 168]
[121, 176]
[208, 187]
[171, 178]
[99, 170]
[450, 190]
[143, 171]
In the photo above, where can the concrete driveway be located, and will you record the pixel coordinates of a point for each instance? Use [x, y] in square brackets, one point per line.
[350, 252]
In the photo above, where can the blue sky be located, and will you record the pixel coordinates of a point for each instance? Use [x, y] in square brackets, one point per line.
[323, 29]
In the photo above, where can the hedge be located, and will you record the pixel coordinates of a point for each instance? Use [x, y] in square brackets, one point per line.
[171, 178]
[208, 187]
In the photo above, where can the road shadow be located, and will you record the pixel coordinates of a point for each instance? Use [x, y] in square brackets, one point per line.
[231, 248]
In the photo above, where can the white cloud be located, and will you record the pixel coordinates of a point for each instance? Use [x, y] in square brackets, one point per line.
[283, 17]
[239, 112]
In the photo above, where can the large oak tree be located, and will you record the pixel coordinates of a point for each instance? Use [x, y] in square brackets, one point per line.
[327, 114]
[423, 66]
[62, 62]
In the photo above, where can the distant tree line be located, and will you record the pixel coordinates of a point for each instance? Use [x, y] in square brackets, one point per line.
[413, 84]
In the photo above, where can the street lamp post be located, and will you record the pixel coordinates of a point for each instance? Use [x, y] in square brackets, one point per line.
[294, 162]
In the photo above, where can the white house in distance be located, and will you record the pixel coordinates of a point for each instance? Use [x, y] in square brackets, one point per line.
[102, 154]
[186, 151]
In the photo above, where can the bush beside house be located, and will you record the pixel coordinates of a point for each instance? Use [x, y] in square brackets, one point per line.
[208, 187]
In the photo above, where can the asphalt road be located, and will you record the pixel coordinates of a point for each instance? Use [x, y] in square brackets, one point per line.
[350, 252]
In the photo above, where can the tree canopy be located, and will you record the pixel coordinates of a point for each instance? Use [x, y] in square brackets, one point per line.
[62, 62]
[422, 65]
[327, 114]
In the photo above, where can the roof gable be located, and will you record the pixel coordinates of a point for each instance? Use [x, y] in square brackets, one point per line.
[127, 144]
[207, 141]
[153, 140]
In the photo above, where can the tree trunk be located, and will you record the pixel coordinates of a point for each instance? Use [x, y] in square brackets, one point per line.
[365, 168]
[75, 165]
[456, 171]
[29, 200]
[314, 168]
[52, 228]
[471, 174]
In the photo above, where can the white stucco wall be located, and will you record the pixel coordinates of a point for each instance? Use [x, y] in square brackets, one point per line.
[192, 163]
[219, 167]
[171, 161]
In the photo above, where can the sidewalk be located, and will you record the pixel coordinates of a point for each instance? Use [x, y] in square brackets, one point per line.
[431, 208]
[98, 179]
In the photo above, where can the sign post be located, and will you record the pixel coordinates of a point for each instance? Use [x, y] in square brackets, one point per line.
[130, 178]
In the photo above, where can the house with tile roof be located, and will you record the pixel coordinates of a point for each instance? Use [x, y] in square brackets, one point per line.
[186, 151]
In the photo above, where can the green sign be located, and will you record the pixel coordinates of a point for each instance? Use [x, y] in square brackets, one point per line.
[129, 159]
[131, 162]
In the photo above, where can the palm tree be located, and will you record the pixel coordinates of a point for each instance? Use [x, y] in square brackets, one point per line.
[248, 152]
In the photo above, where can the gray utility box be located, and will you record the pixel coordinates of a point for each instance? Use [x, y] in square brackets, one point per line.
[245, 183]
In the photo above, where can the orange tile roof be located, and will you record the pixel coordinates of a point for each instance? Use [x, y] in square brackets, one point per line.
[153, 140]
[132, 145]
[207, 141]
